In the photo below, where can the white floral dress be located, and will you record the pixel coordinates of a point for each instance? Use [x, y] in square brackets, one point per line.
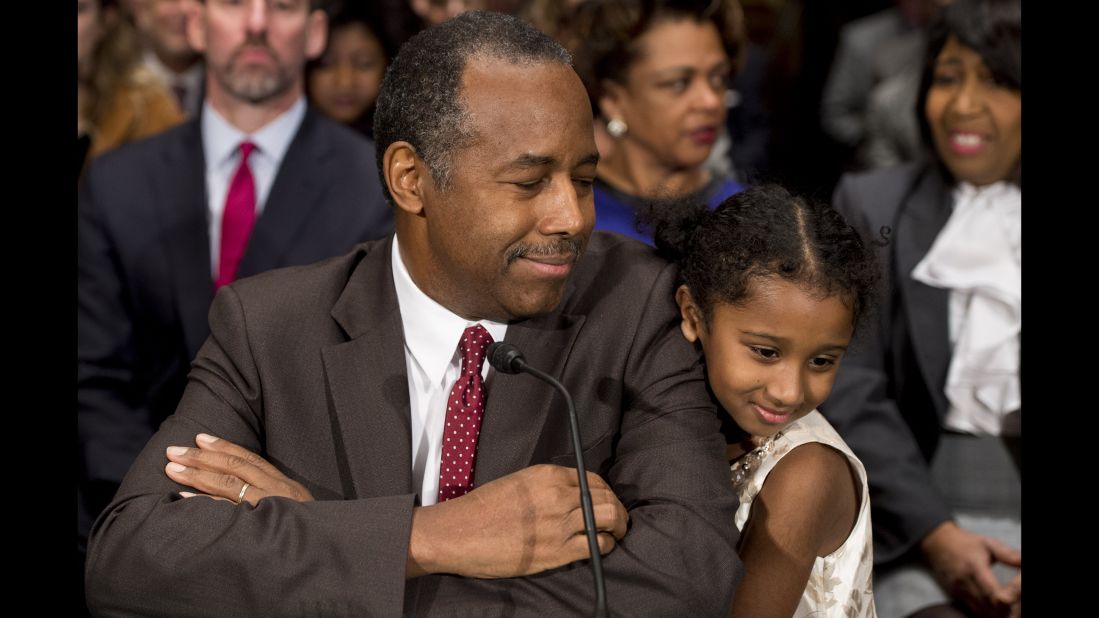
[840, 584]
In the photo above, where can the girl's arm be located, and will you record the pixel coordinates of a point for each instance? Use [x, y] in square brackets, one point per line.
[806, 508]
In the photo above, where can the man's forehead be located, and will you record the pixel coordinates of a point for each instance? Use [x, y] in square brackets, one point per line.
[487, 78]
[498, 95]
[523, 114]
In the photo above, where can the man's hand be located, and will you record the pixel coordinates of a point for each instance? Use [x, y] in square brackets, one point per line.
[962, 562]
[219, 469]
[520, 524]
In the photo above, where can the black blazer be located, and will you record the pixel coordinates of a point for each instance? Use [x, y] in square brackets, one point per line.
[306, 366]
[144, 284]
[889, 398]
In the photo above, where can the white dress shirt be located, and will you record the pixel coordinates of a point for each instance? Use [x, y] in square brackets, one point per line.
[221, 146]
[190, 80]
[431, 335]
[978, 256]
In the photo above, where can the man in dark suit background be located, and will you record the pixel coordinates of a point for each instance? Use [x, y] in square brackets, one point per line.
[162, 25]
[153, 240]
[337, 375]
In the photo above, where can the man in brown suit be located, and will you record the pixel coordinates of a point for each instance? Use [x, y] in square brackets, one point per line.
[486, 150]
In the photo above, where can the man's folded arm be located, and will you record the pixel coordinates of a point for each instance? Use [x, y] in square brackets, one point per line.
[678, 557]
[155, 553]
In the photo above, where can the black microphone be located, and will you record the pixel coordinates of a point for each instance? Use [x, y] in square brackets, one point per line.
[506, 358]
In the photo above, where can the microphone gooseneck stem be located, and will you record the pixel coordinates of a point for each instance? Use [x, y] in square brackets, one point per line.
[585, 493]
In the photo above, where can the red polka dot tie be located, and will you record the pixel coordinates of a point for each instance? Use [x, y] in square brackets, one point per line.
[464, 411]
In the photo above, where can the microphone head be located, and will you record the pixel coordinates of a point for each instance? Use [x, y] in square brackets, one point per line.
[505, 357]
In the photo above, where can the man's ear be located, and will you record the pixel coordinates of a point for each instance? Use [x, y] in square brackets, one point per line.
[196, 24]
[316, 34]
[405, 174]
[691, 316]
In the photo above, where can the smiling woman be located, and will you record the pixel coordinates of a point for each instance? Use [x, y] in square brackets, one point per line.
[942, 447]
[974, 114]
[657, 73]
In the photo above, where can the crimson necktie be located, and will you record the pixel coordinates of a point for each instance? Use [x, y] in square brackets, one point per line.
[238, 218]
[464, 411]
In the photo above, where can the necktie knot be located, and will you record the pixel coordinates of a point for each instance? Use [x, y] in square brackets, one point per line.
[246, 148]
[475, 340]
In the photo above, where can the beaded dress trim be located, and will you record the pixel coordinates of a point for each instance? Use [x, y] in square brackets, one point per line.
[740, 468]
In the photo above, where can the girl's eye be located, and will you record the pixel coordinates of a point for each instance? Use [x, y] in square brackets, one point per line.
[765, 353]
[822, 362]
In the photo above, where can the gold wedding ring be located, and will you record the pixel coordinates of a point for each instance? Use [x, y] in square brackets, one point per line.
[240, 497]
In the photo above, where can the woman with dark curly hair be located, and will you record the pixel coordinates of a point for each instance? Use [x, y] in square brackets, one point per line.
[932, 403]
[657, 72]
[773, 286]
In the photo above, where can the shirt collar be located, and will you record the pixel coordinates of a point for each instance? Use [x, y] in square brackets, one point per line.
[191, 77]
[221, 140]
[431, 330]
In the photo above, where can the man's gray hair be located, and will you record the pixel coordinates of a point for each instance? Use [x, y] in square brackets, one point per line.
[419, 98]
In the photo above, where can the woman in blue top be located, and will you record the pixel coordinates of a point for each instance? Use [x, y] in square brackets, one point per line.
[657, 73]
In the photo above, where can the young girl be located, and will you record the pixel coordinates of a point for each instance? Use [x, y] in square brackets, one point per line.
[772, 288]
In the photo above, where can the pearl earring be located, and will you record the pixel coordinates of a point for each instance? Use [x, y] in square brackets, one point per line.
[617, 127]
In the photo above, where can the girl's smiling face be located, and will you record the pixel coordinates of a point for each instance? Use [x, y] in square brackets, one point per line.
[772, 358]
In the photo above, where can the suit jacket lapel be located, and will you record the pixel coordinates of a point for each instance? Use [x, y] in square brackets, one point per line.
[923, 217]
[519, 406]
[179, 190]
[368, 380]
[297, 185]
[370, 367]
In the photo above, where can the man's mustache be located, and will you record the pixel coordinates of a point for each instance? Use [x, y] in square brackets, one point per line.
[253, 42]
[572, 246]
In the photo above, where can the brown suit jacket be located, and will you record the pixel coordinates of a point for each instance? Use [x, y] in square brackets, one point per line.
[306, 366]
